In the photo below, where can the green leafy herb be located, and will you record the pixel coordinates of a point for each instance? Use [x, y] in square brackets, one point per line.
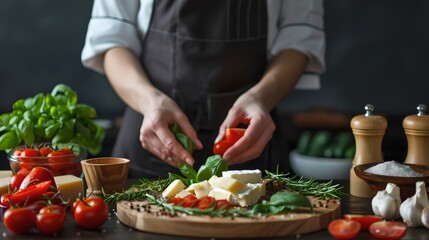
[309, 187]
[184, 140]
[214, 165]
[56, 117]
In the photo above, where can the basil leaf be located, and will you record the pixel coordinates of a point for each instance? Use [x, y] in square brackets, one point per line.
[51, 130]
[289, 200]
[187, 170]
[25, 130]
[64, 94]
[214, 165]
[184, 140]
[9, 140]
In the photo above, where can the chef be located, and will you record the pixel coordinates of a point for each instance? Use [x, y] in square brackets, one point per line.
[205, 65]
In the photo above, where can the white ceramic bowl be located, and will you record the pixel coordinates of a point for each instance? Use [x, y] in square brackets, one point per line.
[320, 168]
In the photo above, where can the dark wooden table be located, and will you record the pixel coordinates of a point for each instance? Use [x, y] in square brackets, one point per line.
[114, 229]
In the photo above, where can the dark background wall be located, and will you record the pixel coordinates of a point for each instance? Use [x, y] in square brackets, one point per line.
[376, 53]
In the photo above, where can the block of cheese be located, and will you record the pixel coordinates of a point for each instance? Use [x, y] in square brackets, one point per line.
[202, 189]
[249, 196]
[214, 181]
[245, 176]
[5, 173]
[4, 183]
[222, 194]
[183, 193]
[230, 184]
[191, 188]
[172, 189]
[70, 187]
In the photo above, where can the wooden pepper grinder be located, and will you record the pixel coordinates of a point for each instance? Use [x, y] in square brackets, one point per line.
[368, 130]
[417, 131]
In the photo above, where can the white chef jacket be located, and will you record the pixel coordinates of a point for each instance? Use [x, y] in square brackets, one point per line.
[292, 24]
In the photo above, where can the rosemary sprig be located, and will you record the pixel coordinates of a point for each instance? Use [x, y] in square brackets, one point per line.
[138, 191]
[311, 187]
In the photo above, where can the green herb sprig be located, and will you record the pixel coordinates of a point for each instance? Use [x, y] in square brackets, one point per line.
[309, 187]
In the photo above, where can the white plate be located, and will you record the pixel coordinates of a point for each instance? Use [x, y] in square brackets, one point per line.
[320, 168]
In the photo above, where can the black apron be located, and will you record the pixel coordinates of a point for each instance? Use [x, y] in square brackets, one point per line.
[204, 55]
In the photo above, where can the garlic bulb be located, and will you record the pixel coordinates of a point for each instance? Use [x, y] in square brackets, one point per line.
[386, 203]
[412, 208]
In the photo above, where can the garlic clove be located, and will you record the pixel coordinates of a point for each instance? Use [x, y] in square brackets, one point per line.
[412, 208]
[386, 202]
[425, 217]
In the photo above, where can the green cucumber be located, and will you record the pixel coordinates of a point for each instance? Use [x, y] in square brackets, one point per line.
[318, 143]
[303, 142]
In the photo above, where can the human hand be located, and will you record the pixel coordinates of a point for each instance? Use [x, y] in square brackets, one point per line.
[247, 110]
[157, 138]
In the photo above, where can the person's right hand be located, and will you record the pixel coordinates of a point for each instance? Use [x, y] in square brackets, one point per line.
[156, 137]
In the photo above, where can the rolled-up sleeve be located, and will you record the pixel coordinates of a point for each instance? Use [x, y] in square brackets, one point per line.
[298, 24]
[113, 23]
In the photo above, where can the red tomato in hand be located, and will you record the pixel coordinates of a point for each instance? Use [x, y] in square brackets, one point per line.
[50, 219]
[220, 147]
[364, 220]
[189, 201]
[37, 175]
[344, 229]
[30, 194]
[388, 230]
[91, 213]
[233, 134]
[19, 220]
[205, 202]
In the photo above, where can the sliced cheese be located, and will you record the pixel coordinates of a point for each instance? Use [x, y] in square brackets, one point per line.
[5, 173]
[202, 189]
[183, 193]
[245, 176]
[4, 184]
[249, 196]
[70, 187]
[222, 194]
[172, 189]
[230, 184]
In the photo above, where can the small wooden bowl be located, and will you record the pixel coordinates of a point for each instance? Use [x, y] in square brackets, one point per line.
[105, 174]
[407, 185]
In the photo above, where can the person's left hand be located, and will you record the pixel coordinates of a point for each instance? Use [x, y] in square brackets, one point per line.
[247, 110]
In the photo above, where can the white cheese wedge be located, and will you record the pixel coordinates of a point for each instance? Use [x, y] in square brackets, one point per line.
[202, 189]
[183, 194]
[70, 187]
[245, 176]
[5, 173]
[222, 194]
[172, 189]
[249, 196]
[191, 188]
[4, 183]
[230, 184]
[214, 181]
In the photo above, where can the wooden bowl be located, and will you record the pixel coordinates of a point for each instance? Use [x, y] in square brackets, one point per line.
[407, 185]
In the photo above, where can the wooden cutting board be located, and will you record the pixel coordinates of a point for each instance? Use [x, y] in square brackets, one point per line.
[133, 215]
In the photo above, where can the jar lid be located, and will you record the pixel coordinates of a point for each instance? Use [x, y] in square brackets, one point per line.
[419, 121]
[369, 121]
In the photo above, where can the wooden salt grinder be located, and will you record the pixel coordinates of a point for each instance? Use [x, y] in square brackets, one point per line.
[416, 129]
[368, 130]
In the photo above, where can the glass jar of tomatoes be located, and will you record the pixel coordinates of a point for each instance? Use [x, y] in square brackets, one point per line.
[60, 159]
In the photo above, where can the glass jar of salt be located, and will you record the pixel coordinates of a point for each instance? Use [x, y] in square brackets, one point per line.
[368, 130]
[416, 129]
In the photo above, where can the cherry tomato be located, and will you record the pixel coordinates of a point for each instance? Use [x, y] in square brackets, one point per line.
[189, 201]
[175, 201]
[16, 180]
[364, 220]
[344, 229]
[220, 147]
[44, 151]
[68, 154]
[17, 152]
[19, 220]
[205, 202]
[388, 230]
[57, 161]
[233, 134]
[37, 175]
[37, 205]
[5, 200]
[91, 213]
[222, 203]
[50, 219]
[30, 194]
[29, 158]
